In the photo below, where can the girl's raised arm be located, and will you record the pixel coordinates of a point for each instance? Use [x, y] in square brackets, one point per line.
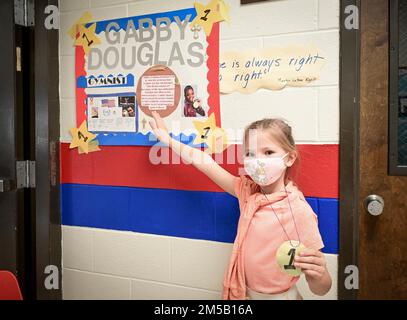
[199, 159]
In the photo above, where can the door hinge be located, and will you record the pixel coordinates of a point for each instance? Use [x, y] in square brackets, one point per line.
[24, 12]
[25, 174]
[18, 58]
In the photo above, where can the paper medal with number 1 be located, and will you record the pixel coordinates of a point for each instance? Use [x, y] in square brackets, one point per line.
[285, 257]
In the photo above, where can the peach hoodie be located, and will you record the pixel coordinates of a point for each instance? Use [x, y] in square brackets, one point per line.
[250, 200]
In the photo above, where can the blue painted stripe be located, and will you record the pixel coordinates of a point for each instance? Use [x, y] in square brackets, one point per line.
[122, 22]
[329, 222]
[189, 214]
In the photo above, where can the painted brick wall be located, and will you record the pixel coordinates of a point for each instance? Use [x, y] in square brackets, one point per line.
[111, 264]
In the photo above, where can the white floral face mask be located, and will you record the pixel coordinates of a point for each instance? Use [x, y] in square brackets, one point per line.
[265, 171]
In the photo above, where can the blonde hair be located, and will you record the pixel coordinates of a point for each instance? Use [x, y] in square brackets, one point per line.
[282, 133]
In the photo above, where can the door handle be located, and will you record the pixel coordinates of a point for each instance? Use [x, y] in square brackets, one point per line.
[374, 204]
[5, 185]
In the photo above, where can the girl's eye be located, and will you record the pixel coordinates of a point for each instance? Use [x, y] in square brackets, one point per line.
[249, 154]
[269, 152]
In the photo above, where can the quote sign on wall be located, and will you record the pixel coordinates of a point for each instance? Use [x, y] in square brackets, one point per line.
[162, 62]
[270, 68]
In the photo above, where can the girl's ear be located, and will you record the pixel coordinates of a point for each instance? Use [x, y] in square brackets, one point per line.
[292, 156]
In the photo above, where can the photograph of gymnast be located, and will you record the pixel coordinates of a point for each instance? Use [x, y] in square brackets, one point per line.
[192, 106]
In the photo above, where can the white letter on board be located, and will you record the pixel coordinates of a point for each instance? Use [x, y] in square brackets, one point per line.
[111, 33]
[147, 29]
[94, 58]
[182, 25]
[163, 25]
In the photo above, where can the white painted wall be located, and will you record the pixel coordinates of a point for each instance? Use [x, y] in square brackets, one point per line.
[109, 264]
[104, 264]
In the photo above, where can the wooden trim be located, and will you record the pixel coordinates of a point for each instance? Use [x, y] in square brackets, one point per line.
[349, 150]
[48, 215]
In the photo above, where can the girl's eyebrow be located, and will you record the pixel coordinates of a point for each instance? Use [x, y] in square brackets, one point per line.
[267, 149]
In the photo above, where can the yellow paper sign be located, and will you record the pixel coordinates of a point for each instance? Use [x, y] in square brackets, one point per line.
[270, 68]
[81, 138]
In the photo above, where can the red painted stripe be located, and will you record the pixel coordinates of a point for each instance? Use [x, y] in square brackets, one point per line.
[213, 73]
[318, 174]
[80, 92]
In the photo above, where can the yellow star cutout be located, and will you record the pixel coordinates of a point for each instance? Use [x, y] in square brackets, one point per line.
[224, 11]
[204, 129]
[214, 137]
[85, 18]
[217, 141]
[87, 37]
[81, 137]
[207, 15]
[93, 146]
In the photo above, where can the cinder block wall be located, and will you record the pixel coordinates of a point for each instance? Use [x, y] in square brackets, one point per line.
[112, 264]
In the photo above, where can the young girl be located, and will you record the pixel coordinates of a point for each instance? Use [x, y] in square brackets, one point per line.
[277, 235]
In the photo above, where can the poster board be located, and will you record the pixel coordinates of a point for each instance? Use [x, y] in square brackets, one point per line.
[145, 63]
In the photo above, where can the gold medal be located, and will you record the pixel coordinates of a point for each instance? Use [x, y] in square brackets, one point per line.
[285, 257]
[196, 104]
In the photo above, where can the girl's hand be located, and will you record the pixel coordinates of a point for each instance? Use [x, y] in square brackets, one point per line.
[201, 160]
[159, 128]
[312, 263]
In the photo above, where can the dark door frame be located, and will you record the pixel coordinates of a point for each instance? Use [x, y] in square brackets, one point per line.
[9, 223]
[349, 150]
[48, 215]
[30, 227]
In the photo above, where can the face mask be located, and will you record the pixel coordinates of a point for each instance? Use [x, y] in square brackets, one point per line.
[265, 171]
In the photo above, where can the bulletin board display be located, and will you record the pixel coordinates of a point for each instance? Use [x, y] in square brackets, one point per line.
[144, 63]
